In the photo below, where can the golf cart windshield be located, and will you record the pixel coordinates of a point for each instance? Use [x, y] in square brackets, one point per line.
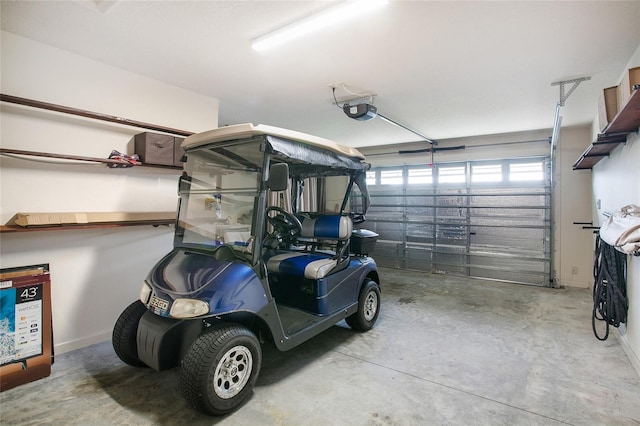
[217, 194]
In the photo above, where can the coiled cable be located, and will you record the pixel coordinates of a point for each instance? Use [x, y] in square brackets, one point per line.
[610, 302]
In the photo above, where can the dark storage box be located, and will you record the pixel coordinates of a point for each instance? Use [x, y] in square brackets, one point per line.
[178, 152]
[363, 241]
[155, 148]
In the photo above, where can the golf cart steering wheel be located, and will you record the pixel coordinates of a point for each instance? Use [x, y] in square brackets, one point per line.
[284, 222]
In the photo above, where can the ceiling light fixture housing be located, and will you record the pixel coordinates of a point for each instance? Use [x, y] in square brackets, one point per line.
[329, 16]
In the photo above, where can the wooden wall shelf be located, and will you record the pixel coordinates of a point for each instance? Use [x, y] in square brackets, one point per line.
[15, 228]
[107, 161]
[626, 121]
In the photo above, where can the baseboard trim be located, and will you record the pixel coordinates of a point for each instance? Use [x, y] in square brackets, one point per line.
[81, 343]
[626, 347]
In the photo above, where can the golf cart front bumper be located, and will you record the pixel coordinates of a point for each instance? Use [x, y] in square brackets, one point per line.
[162, 342]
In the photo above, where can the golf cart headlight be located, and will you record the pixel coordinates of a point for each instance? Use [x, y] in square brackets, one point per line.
[188, 308]
[145, 292]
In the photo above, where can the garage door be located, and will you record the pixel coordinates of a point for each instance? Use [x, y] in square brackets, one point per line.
[485, 219]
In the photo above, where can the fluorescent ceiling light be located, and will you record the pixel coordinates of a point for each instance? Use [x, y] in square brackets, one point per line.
[331, 15]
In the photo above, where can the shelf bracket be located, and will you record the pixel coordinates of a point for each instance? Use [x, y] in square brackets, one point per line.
[576, 82]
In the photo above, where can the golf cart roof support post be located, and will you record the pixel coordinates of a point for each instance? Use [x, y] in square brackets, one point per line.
[346, 194]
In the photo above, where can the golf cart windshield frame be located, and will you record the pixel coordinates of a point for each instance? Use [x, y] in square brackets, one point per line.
[224, 185]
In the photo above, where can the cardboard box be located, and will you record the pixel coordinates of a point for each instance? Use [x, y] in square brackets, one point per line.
[607, 106]
[27, 347]
[154, 148]
[630, 79]
[39, 219]
[47, 219]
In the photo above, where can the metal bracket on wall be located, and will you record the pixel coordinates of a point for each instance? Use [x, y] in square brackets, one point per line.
[564, 96]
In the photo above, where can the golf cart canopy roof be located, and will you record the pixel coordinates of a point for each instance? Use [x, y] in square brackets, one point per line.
[307, 155]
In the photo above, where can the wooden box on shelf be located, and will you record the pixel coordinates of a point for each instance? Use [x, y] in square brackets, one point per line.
[154, 148]
[625, 89]
[607, 106]
[626, 121]
[178, 152]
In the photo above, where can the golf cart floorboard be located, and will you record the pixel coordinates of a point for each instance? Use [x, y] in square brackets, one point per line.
[294, 320]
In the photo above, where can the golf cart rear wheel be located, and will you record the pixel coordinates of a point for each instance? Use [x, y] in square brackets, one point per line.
[368, 307]
[220, 369]
[124, 337]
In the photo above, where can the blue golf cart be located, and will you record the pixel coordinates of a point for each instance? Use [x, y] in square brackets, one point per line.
[265, 250]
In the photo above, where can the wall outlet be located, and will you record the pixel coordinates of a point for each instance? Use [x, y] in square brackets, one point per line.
[574, 270]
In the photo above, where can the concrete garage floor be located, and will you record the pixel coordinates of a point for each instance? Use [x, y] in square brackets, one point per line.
[446, 350]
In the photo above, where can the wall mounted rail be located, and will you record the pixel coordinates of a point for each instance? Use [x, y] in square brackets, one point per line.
[90, 114]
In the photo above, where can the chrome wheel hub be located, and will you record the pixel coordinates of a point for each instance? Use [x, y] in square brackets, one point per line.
[370, 305]
[233, 372]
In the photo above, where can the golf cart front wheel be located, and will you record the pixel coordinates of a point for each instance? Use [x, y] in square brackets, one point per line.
[124, 336]
[368, 307]
[220, 369]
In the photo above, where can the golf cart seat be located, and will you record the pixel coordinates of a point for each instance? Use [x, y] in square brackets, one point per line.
[325, 240]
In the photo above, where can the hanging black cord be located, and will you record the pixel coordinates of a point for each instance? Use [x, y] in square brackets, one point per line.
[610, 303]
[335, 99]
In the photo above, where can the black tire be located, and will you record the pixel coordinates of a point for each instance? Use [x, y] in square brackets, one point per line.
[368, 307]
[124, 337]
[220, 369]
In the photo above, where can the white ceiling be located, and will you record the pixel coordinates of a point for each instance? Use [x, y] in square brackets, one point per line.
[446, 69]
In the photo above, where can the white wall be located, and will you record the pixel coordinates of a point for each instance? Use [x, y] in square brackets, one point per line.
[94, 273]
[572, 203]
[572, 195]
[616, 183]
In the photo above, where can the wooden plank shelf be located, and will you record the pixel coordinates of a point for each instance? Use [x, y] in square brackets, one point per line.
[107, 161]
[152, 220]
[626, 121]
[15, 228]
[90, 114]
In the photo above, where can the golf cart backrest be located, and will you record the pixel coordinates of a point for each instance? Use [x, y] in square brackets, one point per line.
[318, 231]
[331, 226]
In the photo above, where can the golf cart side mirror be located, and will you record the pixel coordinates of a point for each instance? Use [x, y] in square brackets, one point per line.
[278, 177]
